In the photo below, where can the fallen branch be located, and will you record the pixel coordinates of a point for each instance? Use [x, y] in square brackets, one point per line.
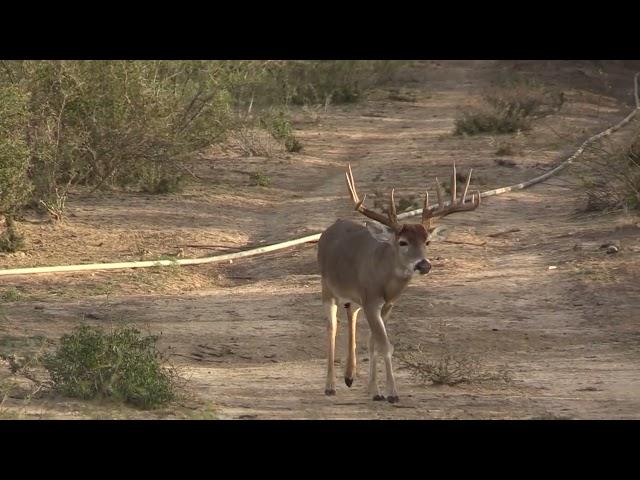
[156, 263]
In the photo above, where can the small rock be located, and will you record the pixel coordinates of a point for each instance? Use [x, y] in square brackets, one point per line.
[552, 267]
[612, 249]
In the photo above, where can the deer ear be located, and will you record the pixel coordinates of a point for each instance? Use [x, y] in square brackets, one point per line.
[438, 234]
[380, 232]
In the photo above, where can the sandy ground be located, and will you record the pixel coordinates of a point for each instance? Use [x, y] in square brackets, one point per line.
[249, 337]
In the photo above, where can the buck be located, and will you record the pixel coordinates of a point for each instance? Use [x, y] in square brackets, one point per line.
[366, 267]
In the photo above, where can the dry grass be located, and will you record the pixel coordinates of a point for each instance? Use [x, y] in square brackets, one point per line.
[509, 108]
[442, 367]
[254, 142]
[611, 179]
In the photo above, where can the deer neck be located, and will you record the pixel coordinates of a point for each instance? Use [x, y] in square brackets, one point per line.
[397, 276]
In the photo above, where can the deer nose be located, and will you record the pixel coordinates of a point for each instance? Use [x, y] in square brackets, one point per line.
[423, 266]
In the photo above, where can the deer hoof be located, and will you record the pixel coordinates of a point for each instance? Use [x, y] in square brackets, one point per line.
[348, 381]
[329, 392]
[378, 398]
[393, 399]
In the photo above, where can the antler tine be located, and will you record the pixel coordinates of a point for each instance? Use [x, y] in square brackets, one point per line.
[393, 217]
[390, 220]
[466, 187]
[425, 210]
[351, 184]
[431, 214]
[454, 185]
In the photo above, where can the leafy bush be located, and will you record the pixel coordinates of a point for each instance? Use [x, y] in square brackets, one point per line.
[108, 123]
[121, 364]
[10, 239]
[292, 144]
[490, 121]
[278, 124]
[14, 151]
[259, 179]
[335, 81]
[134, 124]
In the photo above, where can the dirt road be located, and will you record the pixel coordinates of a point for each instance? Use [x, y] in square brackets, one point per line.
[250, 336]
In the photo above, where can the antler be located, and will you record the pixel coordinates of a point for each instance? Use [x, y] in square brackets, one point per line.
[390, 221]
[430, 215]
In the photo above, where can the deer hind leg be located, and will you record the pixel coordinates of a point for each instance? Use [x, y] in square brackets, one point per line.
[352, 316]
[331, 310]
[379, 337]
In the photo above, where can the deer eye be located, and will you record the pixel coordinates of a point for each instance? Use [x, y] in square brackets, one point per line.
[402, 243]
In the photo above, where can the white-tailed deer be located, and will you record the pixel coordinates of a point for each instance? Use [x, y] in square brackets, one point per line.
[366, 268]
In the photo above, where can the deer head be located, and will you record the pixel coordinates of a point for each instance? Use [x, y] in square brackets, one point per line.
[410, 241]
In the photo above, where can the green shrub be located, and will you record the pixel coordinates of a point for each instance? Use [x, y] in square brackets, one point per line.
[108, 123]
[10, 294]
[509, 108]
[15, 186]
[292, 144]
[490, 121]
[134, 124]
[278, 124]
[120, 365]
[10, 239]
[259, 179]
[334, 81]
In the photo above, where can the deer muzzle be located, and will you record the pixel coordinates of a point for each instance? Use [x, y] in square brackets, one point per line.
[423, 266]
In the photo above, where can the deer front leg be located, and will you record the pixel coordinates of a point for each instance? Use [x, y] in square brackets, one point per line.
[331, 310]
[352, 316]
[379, 337]
[373, 383]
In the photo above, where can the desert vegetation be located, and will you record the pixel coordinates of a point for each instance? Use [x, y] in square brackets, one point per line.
[529, 310]
[138, 124]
